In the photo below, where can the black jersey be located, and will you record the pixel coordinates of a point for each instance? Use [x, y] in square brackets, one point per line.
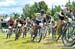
[61, 17]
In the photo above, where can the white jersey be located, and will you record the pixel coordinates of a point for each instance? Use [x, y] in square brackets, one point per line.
[52, 19]
[39, 17]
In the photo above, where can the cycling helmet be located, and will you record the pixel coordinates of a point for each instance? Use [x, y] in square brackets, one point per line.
[42, 11]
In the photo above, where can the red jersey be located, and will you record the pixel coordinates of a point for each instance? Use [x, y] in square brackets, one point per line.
[11, 22]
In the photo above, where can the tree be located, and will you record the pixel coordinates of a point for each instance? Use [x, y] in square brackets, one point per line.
[16, 15]
[28, 11]
[43, 5]
[73, 7]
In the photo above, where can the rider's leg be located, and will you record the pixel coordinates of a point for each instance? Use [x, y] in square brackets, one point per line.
[53, 32]
[24, 34]
[7, 36]
[34, 35]
[59, 25]
[59, 29]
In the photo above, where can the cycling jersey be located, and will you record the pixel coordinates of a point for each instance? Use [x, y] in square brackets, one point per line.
[49, 18]
[11, 22]
[61, 17]
[40, 18]
[67, 12]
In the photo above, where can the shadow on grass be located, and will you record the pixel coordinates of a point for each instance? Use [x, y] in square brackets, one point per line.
[28, 41]
[48, 43]
[8, 41]
[68, 48]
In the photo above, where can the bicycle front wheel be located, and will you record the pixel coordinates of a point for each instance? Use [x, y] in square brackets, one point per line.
[67, 37]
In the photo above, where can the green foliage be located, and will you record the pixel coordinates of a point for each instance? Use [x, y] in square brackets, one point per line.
[72, 6]
[16, 15]
[43, 5]
[28, 11]
[55, 9]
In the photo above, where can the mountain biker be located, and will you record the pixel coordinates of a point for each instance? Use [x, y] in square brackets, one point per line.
[21, 20]
[10, 27]
[49, 21]
[49, 18]
[11, 22]
[68, 12]
[40, 17]
[61, 17]
[19, 26]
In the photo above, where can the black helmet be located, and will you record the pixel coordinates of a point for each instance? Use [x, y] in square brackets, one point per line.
[42, 11]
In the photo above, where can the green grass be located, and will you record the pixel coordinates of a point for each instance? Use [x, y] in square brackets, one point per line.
[25, 43]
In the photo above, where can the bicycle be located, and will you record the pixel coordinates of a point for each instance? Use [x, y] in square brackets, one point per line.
[56, 35]
[39, 33]
[68, 37]
[17, 32]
